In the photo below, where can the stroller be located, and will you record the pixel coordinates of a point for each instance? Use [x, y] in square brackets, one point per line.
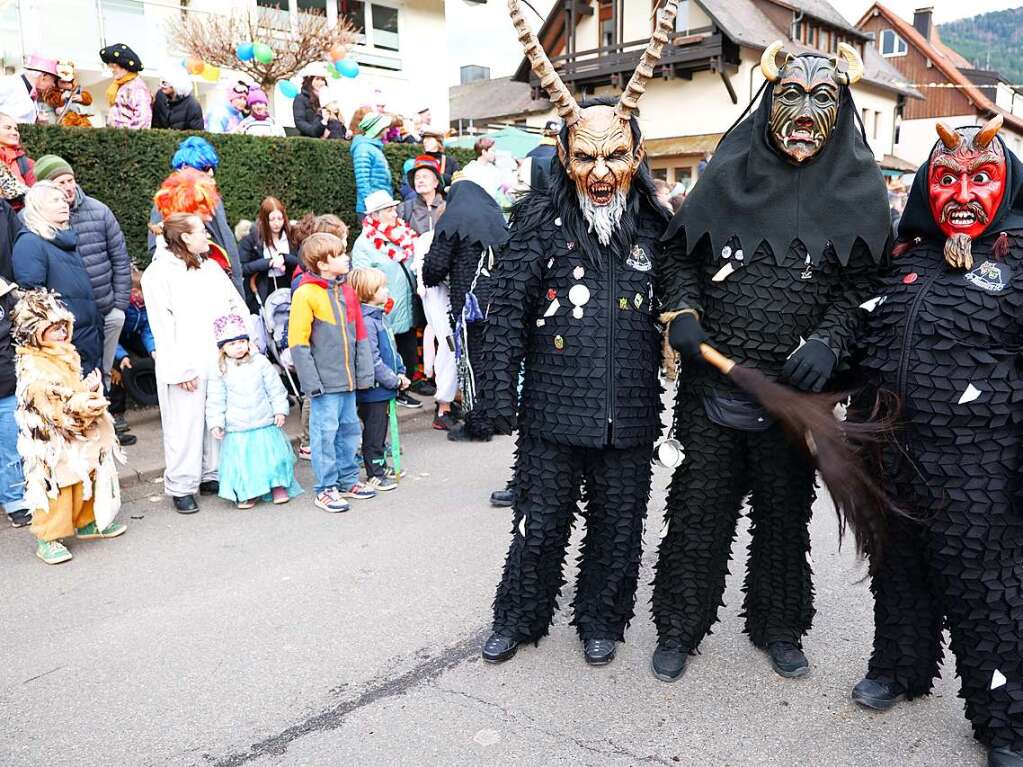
[274, 314]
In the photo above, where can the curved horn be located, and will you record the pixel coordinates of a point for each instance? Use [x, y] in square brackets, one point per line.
[769, 61]
[988, 132]
[645, 69]
[854, 64]
[949, 137]
[550, 81]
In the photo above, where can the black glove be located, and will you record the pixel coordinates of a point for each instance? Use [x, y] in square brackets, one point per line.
[685, 334]
[811, 366]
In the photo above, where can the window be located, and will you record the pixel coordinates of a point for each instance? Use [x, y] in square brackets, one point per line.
[377, 24]
[661, 173]
[684, 176]
[877, 125]
[605, 25]
[892, 44]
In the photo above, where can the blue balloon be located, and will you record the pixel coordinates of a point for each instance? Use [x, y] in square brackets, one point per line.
[287, 89]
[245, 51]
[348, 67]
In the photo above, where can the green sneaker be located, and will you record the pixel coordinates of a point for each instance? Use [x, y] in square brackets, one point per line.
[90, 531]
[52, 552]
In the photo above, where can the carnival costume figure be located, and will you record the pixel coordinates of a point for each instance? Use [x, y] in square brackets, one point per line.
[944, 334]
[768, 259]
[573, 298]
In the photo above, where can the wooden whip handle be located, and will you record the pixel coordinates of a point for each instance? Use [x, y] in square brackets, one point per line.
[716, 358]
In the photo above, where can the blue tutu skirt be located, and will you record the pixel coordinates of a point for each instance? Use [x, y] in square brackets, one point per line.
[255, 461]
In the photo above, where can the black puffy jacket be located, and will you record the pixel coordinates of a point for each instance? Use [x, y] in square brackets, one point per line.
[180, 113]
[8, 378]
[10, 225]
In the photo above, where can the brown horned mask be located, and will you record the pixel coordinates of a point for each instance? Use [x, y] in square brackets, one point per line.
[602, 154]
[806, 97]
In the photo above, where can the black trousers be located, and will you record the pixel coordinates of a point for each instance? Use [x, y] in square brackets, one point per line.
[407, 345]
[721, 467]
[550, 480]
[375, 422]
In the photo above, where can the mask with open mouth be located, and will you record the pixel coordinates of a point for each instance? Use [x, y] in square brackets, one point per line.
[966, 184]
[806, 98]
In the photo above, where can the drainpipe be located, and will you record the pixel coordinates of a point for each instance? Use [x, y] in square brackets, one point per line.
[796, 18]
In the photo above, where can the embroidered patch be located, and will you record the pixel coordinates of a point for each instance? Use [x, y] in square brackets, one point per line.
[623, 303]
[639, 260]
[990, 276]
[559, 343]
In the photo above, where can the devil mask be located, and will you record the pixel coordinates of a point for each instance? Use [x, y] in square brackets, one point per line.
[598, 147]
[806, 98]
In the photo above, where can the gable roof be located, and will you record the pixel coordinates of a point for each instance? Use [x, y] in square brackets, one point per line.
[938, 55]
[489, 99]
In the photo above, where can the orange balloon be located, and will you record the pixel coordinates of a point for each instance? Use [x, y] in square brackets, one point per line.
[195, 65]
[338, 52]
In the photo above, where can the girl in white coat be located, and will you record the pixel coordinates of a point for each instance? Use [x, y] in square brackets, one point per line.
[184, 294]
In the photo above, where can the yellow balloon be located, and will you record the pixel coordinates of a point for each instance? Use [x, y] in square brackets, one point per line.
[211, 73]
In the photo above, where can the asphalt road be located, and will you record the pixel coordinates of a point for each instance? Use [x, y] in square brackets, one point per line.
[287, 636]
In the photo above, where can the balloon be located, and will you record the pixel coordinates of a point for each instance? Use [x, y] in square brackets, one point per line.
[245, 51]
[348, 67]
[332, 70]
[194, 65]
[210, 73]
[338, 52]
[263, 53]
[287, 89]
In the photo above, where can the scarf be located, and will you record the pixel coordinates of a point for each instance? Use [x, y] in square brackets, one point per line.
[398, 240]
[115, 86]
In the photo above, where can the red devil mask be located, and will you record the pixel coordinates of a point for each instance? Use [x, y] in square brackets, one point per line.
[966, 185]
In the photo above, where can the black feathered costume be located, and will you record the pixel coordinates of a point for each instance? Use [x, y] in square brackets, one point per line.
[948, 342]
[582, 318]
[767, 253]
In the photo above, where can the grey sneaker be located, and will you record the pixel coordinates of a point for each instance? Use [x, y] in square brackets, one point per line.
[359, 491]
[381, 484]
[330, 500]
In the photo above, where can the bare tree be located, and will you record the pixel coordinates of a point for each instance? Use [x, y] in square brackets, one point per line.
[214, 38]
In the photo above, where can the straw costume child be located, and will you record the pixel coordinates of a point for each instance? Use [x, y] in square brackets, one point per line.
[66, 436]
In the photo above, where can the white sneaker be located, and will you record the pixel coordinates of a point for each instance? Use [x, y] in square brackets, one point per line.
[330, 500]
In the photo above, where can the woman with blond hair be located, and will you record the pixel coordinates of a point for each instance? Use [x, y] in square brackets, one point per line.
[46, 256]
[185, 293]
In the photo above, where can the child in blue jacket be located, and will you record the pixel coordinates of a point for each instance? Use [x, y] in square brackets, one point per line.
[388, 371]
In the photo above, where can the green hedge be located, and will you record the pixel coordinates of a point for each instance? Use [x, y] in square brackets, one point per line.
[124, 168]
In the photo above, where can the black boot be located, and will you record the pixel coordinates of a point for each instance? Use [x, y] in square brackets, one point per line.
[502, 498]
[788, 660]
[669, 661]
[1003, 757]
[599, 652]
[499, 648]
[185, 504]
[209, 487]
[878, 694]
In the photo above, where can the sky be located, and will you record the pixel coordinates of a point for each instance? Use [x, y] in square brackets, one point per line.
[482, 34]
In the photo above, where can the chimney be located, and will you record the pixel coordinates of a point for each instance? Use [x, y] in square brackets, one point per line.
[923, 21]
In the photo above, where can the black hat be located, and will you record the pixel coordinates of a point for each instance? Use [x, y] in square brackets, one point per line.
[122, 55]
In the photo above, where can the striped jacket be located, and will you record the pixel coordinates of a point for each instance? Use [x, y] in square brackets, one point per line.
[327, 337]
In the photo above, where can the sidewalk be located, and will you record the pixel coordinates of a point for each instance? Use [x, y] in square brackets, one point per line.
[145, 465]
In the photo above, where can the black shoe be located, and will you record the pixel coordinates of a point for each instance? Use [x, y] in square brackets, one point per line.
[788, 660]
[502, 499]
[499, 648]
[124, 439]
[878, 694]
[1003, 757]
[669, 661]
[599, 652]
[444, 422]
[120, 425]
[185, 504]
[20, 518]
[405, 400]
[209, 487]
[424, 387]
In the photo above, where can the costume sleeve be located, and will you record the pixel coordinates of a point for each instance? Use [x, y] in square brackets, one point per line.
[173, 362]
[517, 282]
[679, 274]
[120, 262]
[216, 402]
[437, 263]
[859, 281]
[300, 330]
[275, 391]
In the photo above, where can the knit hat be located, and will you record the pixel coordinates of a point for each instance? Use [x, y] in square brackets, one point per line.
[257, 96]
[428, 162]
[122, 55]
[374, 123]
[50, 166]
[228, 328]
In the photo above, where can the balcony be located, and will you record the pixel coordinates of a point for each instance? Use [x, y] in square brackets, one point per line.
[696, 50]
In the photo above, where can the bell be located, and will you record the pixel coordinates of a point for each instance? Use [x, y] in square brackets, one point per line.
[668, 453]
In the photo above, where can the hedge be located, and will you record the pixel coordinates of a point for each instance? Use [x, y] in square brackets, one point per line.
[124, 168]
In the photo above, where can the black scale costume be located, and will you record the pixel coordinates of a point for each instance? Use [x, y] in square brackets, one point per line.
[753, 219]
[948, 343]
[589, 409]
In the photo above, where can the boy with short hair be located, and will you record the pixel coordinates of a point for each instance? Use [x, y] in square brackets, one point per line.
[332, 356]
